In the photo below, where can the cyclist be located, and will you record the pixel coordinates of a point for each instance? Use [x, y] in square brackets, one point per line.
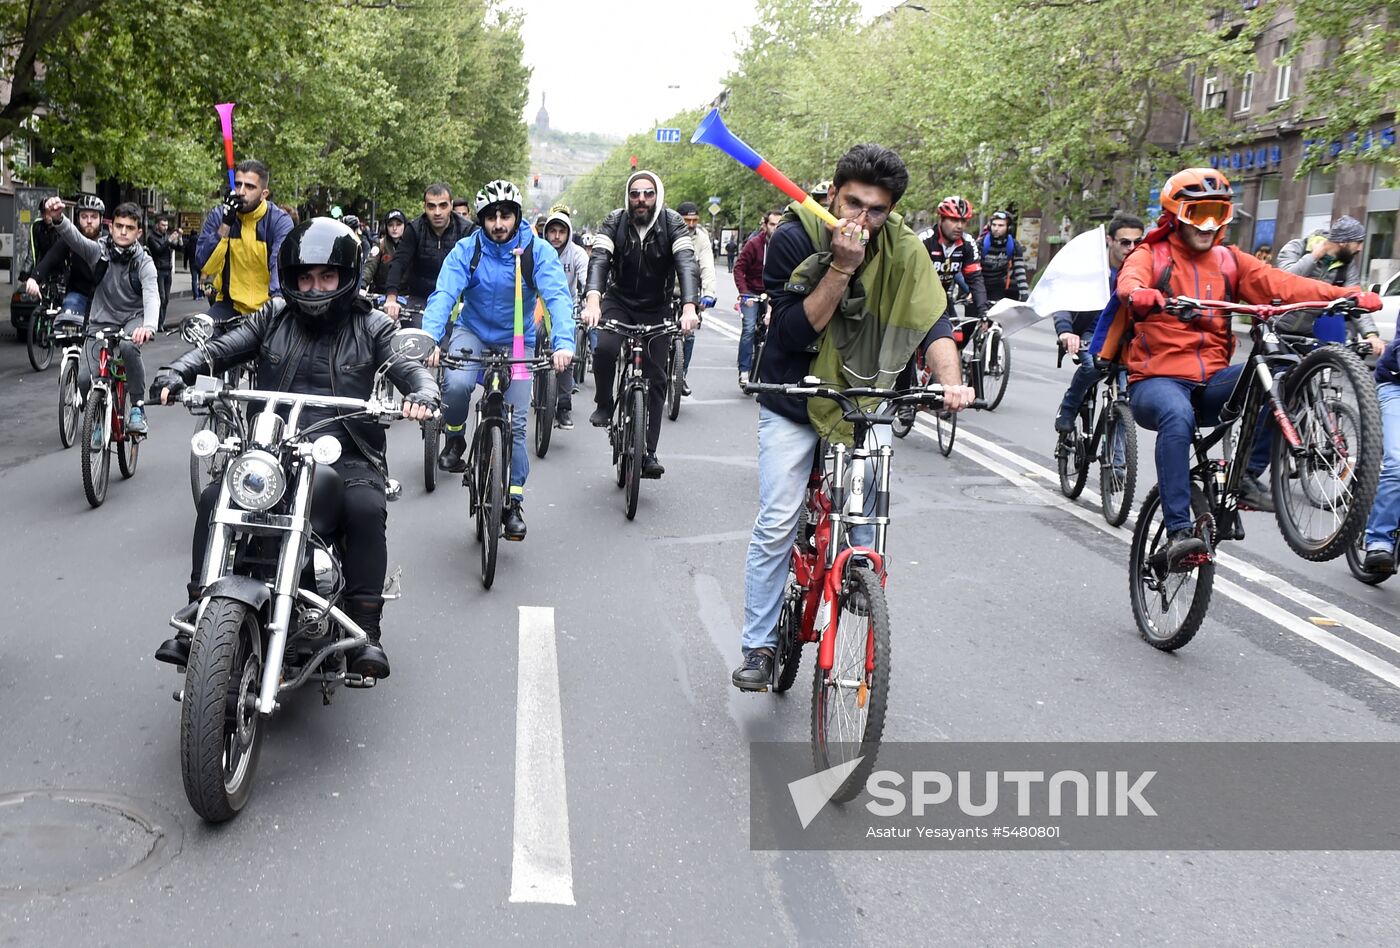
[126, 292]
[1385, 512]
[811, 274]
[956, 256]
[353, 222]
[1334, 257]
[1075, 330]
[319, 339]
[1179, 372]
[1003, 262]
[637, 252]
[705, 260]
[237, 249]
[748, 278]
[382, 256]
[424, 246]
[559, 231]
[43, 234]
[480, 271]
[82, 279]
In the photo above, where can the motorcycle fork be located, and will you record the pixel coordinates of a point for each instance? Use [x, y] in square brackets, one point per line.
[284, 593]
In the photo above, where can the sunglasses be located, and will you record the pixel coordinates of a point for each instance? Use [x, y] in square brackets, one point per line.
[646, 193]
[1129, 241]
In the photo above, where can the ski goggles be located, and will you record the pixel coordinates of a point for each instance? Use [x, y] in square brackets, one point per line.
[1206, 215]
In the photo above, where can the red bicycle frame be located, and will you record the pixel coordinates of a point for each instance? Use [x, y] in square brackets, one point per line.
[104, 371]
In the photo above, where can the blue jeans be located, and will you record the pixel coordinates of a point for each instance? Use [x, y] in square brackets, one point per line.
[76, 303]
[1173, 408]
[785, 451]
[748, 309]
[1084, 378]
[1385, 513]
[457, 397]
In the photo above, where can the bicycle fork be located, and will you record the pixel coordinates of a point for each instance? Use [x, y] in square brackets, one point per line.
[1271, 386]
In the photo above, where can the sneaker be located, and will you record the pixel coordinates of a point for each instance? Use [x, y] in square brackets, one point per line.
[651, 467]
[1379, 560]
[756, 672]
[513, 521]
[600, 417]
[685, 387]
[136, 421]
[1254, 495]
[450, 460]
[564, 418]
[1180, 545]
[1064, 423]
[743, 379]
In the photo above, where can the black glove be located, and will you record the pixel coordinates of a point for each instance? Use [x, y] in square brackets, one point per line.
[232, 205]
[165, 378]
[418, 398]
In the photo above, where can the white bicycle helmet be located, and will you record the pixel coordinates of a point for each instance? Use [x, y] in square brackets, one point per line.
[498, 192]
[91, 202]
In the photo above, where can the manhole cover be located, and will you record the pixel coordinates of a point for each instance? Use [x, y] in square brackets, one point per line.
[53, 841]
[1010, 494]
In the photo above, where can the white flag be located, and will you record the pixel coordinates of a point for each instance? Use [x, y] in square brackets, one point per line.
[1076, 280]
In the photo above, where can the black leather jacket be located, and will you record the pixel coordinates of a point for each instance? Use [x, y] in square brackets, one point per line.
[362, 345]
[640, 274]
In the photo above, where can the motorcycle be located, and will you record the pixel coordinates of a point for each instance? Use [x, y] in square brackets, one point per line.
[269, 620]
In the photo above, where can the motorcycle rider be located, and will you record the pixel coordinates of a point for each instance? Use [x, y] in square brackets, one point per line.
[425, 245]
[559, 231]
[480, 271]
[321, 339]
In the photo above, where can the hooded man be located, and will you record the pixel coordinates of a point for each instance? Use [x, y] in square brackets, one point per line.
[559, 231]
[637, 253]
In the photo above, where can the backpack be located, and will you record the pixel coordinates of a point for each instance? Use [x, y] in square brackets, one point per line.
[1010, 247]
[1224, 259]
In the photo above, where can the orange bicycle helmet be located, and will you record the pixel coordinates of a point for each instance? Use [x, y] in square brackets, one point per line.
[955, 207]
[1202, 197]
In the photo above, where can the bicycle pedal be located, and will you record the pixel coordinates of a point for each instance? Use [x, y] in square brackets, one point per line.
[1192, 561]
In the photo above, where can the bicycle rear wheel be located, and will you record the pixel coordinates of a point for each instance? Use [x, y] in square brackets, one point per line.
[1071, 459]
[97, 460]
[40, 338]
[70, 403]
[1118, 464]
[946, 427]
[633, 447]
[581, 353]
[1168, 606]
[546, 397]
[1323, 495]
[849, 701]
[787, 657]
[491, 498]
[128, 447]
[996, 367]
[675, 378]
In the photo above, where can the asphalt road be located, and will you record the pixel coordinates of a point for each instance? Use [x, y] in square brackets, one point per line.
[392, 816]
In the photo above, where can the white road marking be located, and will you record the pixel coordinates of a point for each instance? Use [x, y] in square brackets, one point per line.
[541, 863]
[1262, 607]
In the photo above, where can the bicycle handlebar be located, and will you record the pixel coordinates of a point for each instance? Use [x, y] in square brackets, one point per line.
[1187, 308]
[637, 331]
[465, 357]
[930, 396]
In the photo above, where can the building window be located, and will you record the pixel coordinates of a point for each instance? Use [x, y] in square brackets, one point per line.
[1212, 96]
[1380, 240]
[1322, 181]
[1246, 92]
[1283, 84]
[1269, 187]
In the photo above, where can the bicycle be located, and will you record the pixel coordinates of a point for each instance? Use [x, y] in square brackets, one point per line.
[544, 396]
[1327, 449]
[487, 477]
[986, 357]
[828, 578]
[760, 328]
[675, 366]
[945, 423]
[39, 334]
[1108, 436]
[70, 396]
[583, 347]
[104, 418]
[432, 440]
[627, 431]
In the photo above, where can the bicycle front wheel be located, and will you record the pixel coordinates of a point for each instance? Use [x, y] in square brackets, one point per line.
[127, 448]
[849, 700]
[996, 368]
[70, 403]
[491, 498]
[1071, 460]
[432, 442]
[40, 335]
[675, 379]
[97, 460]
[581, 354]
[546, 401]
[1323, 491]
[633, 446]
[946, 426]
[1117, 464]
[1168, 605]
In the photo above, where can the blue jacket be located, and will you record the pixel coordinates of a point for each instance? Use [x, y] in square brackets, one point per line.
[488, 295]
[1388, 365]
[1106, 317]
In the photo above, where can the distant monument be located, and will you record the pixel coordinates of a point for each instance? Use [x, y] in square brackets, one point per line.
[542, 117]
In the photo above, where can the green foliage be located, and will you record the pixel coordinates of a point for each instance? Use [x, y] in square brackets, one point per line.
[340, 99]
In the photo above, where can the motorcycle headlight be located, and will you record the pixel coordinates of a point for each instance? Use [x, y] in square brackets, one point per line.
[255, 480]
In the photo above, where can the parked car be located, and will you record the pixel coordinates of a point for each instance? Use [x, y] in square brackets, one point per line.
[1390, 297]
[21, 308]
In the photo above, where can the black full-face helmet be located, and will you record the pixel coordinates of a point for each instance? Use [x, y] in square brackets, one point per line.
[321, 242]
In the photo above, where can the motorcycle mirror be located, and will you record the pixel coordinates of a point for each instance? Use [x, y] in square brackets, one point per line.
[197, 329]
[413, 344]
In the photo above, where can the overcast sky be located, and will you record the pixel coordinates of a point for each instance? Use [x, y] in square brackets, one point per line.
[570, 44]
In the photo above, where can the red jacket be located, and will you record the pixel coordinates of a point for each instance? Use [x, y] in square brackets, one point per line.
[1163, 345]
[748, 270]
